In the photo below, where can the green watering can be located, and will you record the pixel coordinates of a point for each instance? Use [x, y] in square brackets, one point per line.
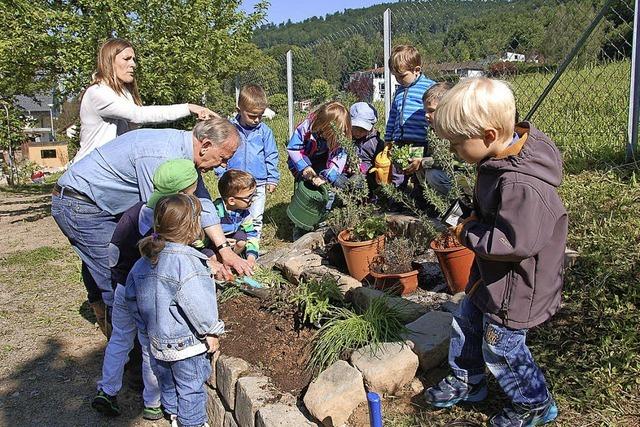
[308, 204]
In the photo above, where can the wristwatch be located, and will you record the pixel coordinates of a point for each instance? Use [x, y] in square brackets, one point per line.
[226, 244]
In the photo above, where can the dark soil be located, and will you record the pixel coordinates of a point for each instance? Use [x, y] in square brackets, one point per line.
[267, 341]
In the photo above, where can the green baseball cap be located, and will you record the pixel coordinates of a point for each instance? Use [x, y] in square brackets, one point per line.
[171, 177]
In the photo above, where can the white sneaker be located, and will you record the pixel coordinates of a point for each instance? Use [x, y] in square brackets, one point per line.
[174, 420]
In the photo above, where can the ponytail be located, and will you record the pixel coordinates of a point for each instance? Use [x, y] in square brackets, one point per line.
[176, 219]
[151, 246]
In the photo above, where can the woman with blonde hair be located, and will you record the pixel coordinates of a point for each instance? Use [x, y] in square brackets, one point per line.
[111, 105]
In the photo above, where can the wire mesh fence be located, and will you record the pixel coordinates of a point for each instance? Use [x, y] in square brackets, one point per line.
[582, 47]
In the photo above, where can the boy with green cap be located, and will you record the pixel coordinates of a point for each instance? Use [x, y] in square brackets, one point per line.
[171, 177]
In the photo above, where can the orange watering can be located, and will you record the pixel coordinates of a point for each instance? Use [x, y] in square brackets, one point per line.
[382, 166]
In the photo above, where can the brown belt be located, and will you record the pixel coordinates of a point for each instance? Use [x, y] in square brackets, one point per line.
[70, 192]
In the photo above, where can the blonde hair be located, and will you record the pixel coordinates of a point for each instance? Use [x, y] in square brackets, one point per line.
[474, 105]
[252, 97]
[105, 72]
[404, 57]
[436, 92]
[176, 218]
[328, 115]
[234, 182]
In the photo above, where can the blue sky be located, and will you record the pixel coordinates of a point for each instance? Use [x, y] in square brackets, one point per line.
[299, 10]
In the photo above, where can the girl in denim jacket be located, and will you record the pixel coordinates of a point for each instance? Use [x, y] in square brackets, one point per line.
[173, 299]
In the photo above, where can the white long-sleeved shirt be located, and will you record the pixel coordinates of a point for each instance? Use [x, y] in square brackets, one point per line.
[104, 115]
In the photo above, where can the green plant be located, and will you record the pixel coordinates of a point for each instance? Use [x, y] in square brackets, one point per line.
[351, 207]
[230, 291]
[369, 229]
[462, 175]
[427, 230]
[346, 331]
[401, 155]
[314, 298]
[268, 277]
[396, 257]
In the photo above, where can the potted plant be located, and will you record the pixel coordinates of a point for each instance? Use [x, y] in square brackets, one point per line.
[393, 268]
[362, 243]
[455, 260]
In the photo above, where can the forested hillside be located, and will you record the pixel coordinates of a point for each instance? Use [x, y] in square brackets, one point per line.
[334, 46]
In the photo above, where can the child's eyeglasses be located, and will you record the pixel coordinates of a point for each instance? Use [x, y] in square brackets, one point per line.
[247, 199]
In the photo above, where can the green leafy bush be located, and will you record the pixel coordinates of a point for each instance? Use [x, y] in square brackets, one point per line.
[314, 298]
[369, 229]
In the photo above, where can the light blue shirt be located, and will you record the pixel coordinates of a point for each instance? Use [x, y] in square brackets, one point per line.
[119, 174]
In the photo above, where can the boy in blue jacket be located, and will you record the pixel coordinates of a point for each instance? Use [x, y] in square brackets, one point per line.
[407, 124]
[258, 153]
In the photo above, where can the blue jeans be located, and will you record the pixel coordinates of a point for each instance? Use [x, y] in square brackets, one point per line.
[477, 341]
[89, 230]
[117, 353]
[436, 179]
[257, 207]
[182, 388]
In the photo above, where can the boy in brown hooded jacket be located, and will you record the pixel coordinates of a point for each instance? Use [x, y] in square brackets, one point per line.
[518, 233]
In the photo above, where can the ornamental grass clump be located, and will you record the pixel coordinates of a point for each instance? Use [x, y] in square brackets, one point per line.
[347, 331]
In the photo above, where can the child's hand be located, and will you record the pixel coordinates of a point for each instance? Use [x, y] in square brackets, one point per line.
[271, 188]
[239, 245]
[318, 181]
[251, 260]
[308, 173]
[213, 343]
[414, 166]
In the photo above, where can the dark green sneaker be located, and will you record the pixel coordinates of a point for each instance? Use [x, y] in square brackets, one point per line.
[105, 404]
[152, 414]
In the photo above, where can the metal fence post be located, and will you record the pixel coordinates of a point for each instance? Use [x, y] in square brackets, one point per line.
[388, 93]
[634, 91]
[237, 87]
[290, 90]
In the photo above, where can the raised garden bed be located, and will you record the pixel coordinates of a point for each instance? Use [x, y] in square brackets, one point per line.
[271, 342]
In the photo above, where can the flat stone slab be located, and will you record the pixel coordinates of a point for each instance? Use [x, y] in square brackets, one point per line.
[294, 264]
[270, 259]
[387, 368]
[215, 408]
[228, 370]
[333, 396]
[345, 282]
[252, 393]
[409, 310]
[281, 415]
[229, 421]
[211, 381]
[430, 337]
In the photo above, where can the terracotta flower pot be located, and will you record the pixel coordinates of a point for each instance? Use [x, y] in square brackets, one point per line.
[359, 254]
[401, 283]
[455, 264]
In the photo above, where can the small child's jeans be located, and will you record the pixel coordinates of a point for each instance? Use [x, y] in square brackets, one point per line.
[118, 348]
[476, 341]
[183, 392]
[257, 207]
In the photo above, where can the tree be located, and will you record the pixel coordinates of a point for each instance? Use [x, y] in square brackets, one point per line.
[321, 91]
[28, 51]
[278, 103]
